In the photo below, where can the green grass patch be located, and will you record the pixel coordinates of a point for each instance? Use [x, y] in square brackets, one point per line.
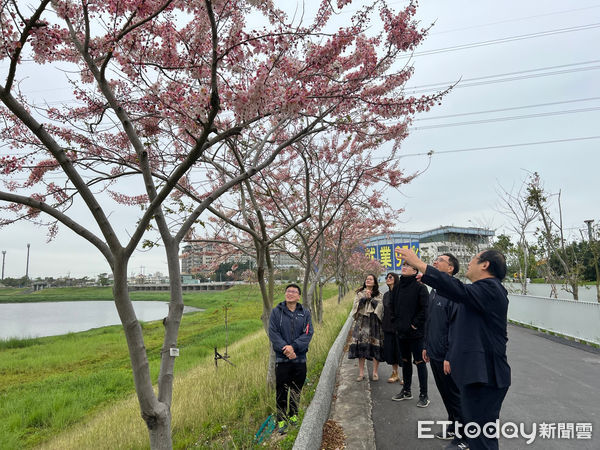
[72, 294]
[212, 408]
[7, 292]
[52, 384]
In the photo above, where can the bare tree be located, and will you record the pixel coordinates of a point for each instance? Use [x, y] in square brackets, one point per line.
[594, 245]
[552, 233]
[521, 215]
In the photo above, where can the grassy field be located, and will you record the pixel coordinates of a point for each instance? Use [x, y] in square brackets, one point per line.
[66, 387]
[69, 294]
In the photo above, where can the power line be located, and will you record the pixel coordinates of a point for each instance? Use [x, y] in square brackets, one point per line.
[504, 80]
[503, 119]
[348, 11]
[508, 109]
[496, 147]
[518, 19]
[505, 40]
[524, 77]
[444, 84]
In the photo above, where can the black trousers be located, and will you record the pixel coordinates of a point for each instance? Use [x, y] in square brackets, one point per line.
[289, 379]
[448, 391]
[481, 403]
[413, 347]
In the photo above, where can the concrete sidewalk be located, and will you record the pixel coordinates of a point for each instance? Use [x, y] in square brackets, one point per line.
[553, 381]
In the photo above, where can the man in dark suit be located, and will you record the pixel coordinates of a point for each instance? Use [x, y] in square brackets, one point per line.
[478, 352]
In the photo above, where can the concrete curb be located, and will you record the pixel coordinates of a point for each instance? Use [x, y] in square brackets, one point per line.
[311, 431]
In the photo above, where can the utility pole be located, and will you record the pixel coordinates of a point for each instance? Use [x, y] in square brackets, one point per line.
[595, 255]
[589, 225]
[3, 257]
[27, 266]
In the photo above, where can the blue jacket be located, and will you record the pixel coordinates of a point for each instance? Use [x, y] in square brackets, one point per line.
[290, 328]
[441, 313]
[479, 334]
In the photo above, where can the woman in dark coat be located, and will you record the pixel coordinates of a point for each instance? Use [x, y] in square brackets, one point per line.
[367, 335]
[391, 350]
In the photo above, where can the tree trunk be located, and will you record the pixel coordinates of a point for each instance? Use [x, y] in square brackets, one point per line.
[266, 290]
[320, 300]
[271, 369]
[156, 414]
[260, 277]
[525, 270]
[159, 428]
[172, 323]
[307, 296]
[312, 298]
[574, 288]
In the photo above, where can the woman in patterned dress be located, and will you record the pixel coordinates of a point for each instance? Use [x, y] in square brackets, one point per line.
[367, 335]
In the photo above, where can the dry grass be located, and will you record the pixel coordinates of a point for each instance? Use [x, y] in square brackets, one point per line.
[211, 408]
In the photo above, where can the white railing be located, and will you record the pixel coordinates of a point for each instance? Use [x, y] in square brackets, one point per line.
[575, 319]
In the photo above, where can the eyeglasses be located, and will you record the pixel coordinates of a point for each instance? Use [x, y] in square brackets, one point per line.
[441, 259]
[389, 277]
[292, 291]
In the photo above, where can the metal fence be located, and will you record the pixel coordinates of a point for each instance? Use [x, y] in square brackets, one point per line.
[575, 319]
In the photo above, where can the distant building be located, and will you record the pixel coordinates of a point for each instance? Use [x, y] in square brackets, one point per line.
[462, 242]
[283, 260]
[198, 256]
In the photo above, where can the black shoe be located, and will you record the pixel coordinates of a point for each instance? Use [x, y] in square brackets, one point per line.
[457, 444]
[445, 436]
[402, 395]
[423, 401]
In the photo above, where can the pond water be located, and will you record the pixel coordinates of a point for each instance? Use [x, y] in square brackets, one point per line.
[28, 320]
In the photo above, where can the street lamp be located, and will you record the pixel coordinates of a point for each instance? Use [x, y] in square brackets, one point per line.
[3, 257]
[27, 266]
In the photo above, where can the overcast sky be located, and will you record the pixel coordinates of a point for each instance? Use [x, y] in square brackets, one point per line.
[536, 38]
[545, 119]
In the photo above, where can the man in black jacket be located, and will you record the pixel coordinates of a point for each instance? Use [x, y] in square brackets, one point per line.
[409, 312]
[436, 350]
[478, 351]
[290, 332]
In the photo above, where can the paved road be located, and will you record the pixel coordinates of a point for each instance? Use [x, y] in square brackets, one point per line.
[554, 381]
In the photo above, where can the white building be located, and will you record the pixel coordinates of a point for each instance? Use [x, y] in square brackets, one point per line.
[462, 242]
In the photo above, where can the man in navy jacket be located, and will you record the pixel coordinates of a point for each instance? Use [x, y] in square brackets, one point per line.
[436, 351]
[290, 332]
[478, 351]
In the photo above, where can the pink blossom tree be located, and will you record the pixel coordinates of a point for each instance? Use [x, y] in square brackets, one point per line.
[160, 89]
[346, 176]
[347, 261]
[367, 110]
